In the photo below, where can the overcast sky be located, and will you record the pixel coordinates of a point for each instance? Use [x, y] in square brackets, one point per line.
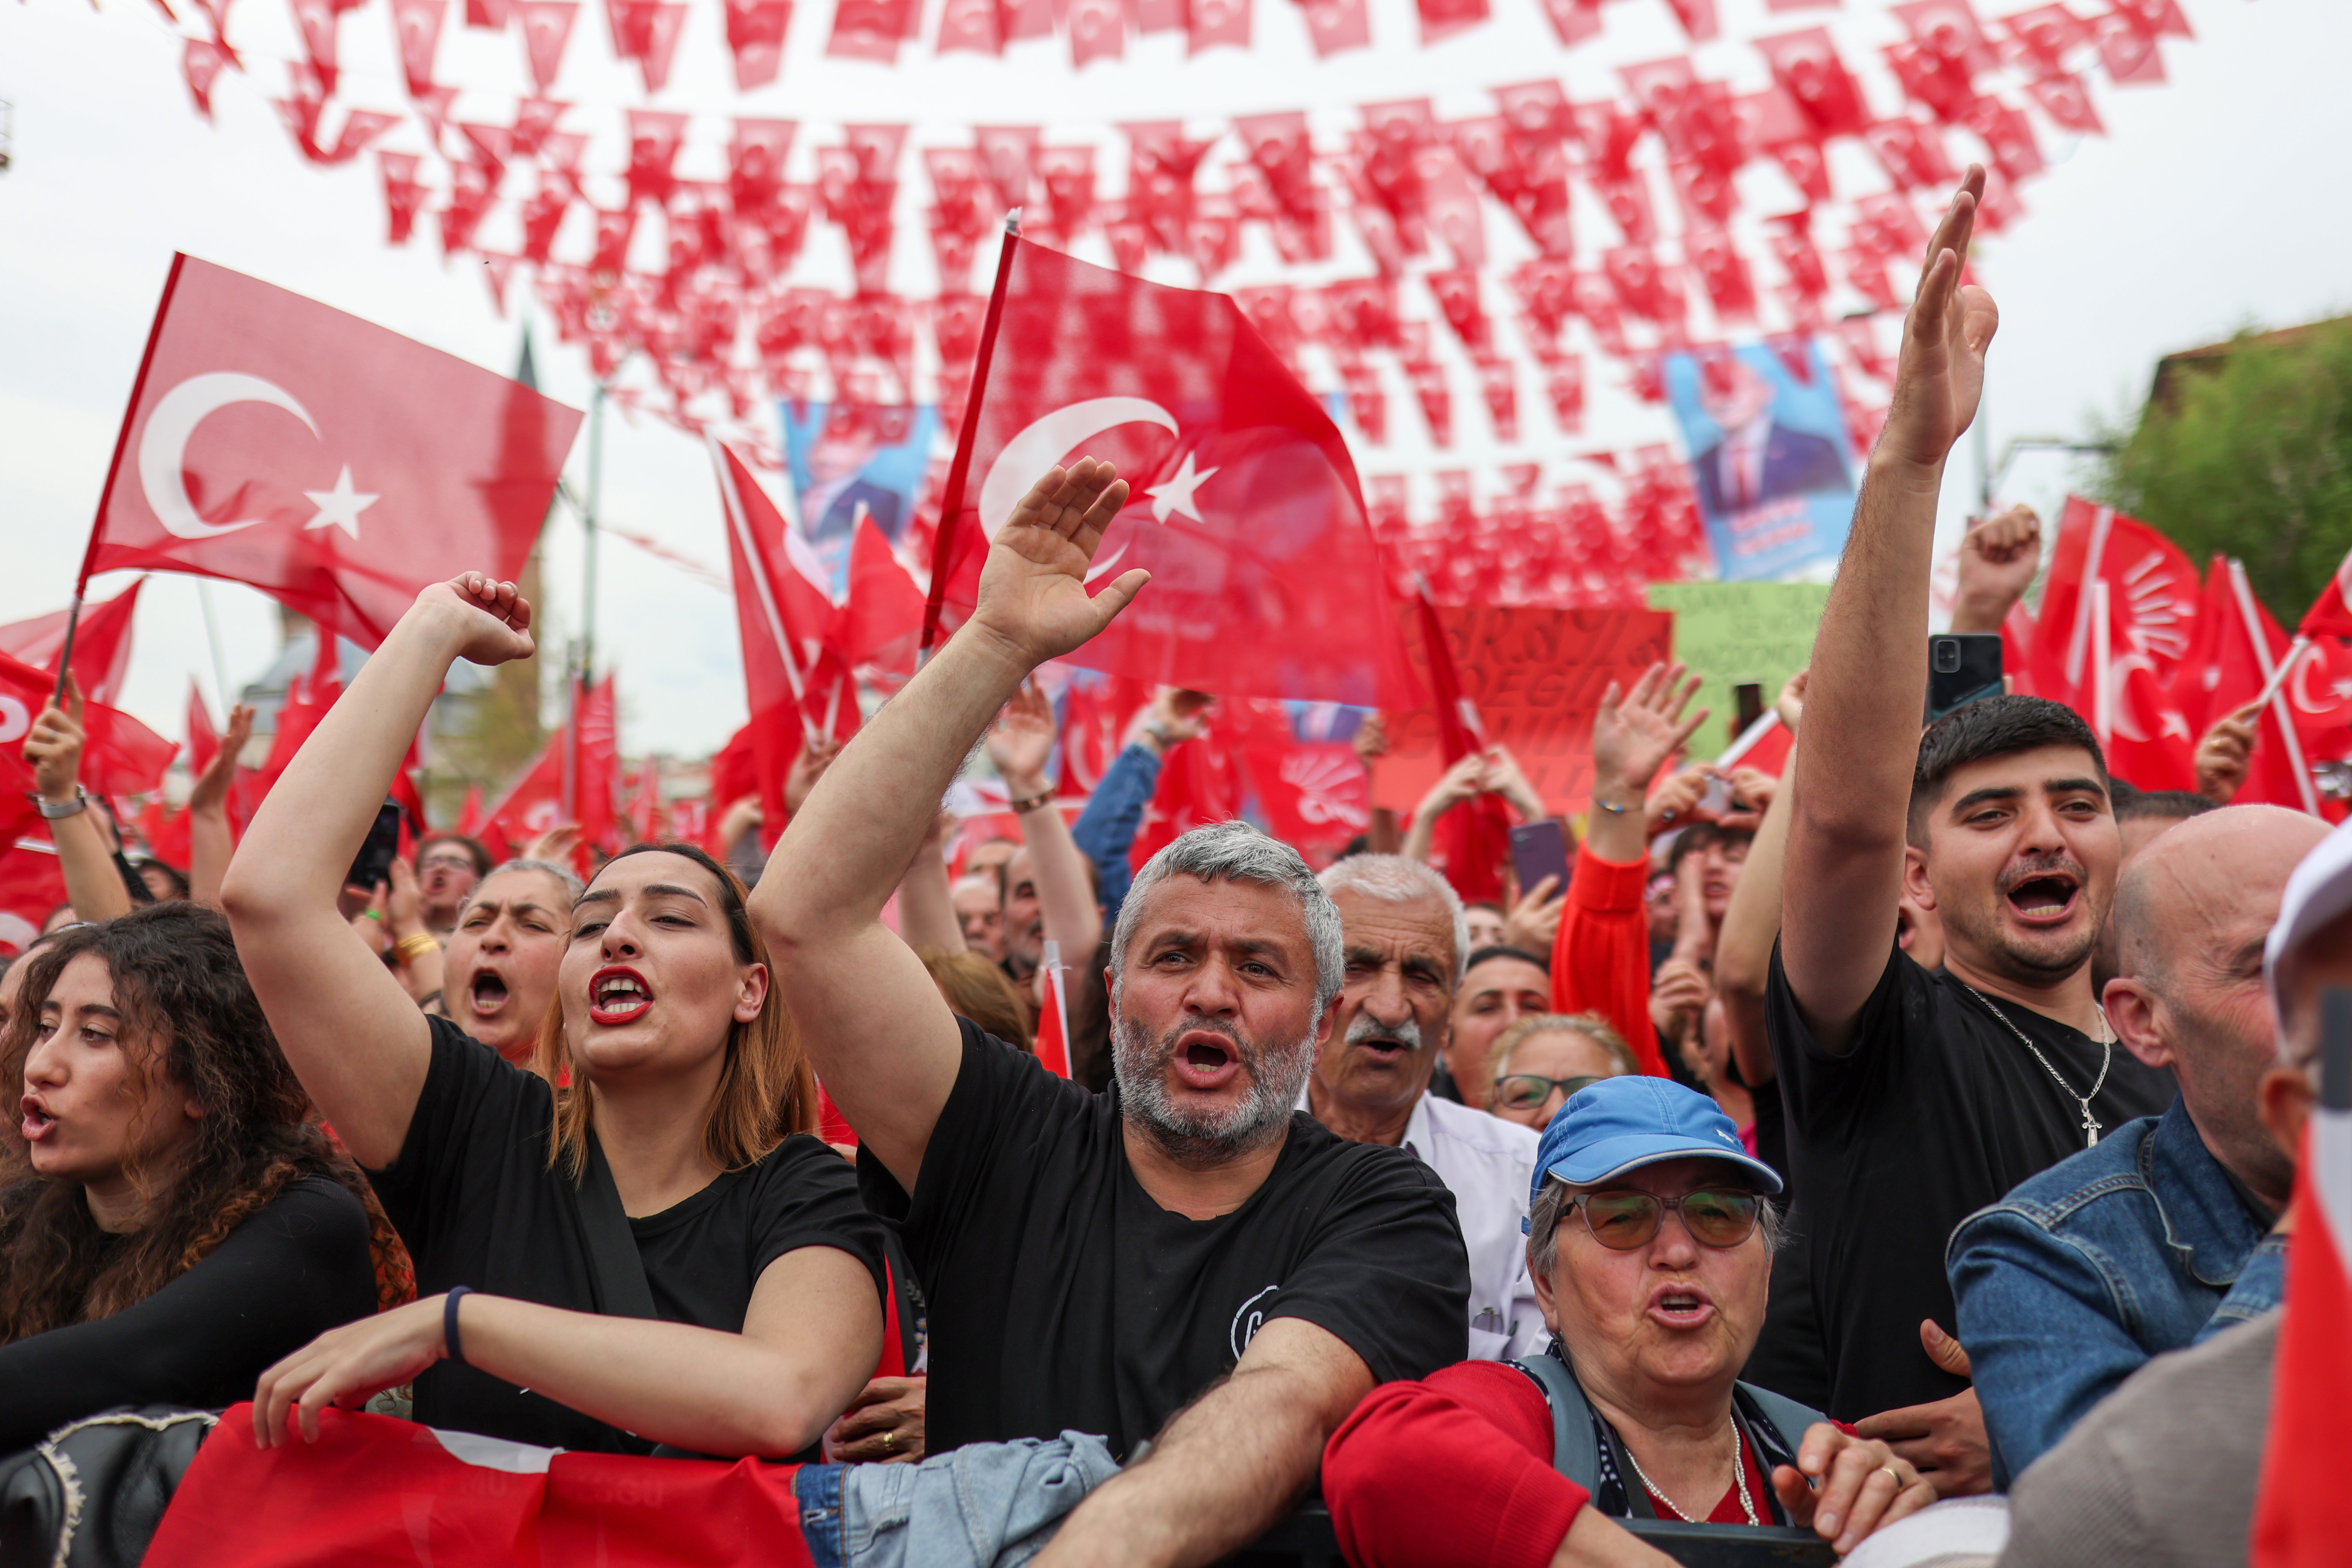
[2204, 210]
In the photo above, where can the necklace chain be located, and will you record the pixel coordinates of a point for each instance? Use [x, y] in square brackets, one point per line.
[1738, 1475]
[2090, 1124]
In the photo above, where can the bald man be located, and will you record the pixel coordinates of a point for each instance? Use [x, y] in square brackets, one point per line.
[2161, 1234]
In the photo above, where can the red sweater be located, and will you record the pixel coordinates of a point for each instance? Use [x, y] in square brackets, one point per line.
[1600, 958]
[1478, 1434]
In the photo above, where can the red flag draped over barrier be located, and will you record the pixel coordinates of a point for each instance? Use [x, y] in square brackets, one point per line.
[101, 655]
[1245, 507]
[337, 467]
[374, 1490]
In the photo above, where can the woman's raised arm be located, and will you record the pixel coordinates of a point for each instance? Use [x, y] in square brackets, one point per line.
[354, 1038]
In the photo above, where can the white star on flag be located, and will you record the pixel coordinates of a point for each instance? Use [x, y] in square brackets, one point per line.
[340, 507]
[1176, 495]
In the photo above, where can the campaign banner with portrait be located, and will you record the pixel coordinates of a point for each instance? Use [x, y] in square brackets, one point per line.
[845, 453]
[1768, 456]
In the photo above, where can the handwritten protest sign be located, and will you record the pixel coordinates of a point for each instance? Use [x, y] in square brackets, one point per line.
[1729, 633]
[1536, 676]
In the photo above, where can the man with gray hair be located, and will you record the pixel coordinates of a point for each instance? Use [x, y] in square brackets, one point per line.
[1184, 1262]
[1404, 941]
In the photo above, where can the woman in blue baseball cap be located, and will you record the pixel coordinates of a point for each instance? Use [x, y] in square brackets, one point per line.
[1650, 1239]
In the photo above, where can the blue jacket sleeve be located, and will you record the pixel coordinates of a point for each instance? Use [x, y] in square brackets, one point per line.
[1106, 829]
[2045, 1336]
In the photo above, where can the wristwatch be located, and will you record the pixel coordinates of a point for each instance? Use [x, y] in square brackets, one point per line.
[54, 811]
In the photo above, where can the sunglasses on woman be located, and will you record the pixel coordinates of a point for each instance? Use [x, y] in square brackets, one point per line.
[1622, 1220]
[1527, 1092]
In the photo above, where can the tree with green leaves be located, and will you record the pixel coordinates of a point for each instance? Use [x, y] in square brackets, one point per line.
[2248, 452]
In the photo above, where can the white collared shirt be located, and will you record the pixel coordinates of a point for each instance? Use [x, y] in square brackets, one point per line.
[1487, 1163]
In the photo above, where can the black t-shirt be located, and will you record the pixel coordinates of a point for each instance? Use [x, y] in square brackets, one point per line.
[472, 1195]
[1936, 1110]
[285, 1275]
[1063, 1298]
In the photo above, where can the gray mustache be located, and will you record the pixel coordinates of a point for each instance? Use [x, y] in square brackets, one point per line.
[1363, 1027]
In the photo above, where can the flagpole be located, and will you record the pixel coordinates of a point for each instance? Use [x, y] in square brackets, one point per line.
[113, 468]
[952, 499]
[757, 561]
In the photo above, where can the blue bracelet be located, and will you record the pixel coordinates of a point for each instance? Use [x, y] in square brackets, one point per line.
[449, 1341]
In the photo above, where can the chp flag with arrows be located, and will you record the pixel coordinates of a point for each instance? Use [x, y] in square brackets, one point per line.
[336, 465]
[1244, 505]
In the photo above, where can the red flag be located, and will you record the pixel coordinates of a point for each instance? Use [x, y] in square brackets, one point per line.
[101, 655]
[1314, 793]
[375, 1489]
[568, 783]
[883, 615]
[1096, 712]
[2152, 598]
[2238, 664]
[1053, 1033]
[2329, 616]
[32, 883]
[1199, 784]
[1246, 504]
[333, 465]
[1475, 837]
[531, 806]
[1766, 745]
[471, 817]
[119, 755]
[597, 768]
[2303, 1514]
[797, 683]
[204, 740]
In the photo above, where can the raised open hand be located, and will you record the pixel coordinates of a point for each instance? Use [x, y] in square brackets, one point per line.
[493, 618]
[1032, 589]
[1940, 375]
[211, 788]
[1021, 739]
[1634, 733]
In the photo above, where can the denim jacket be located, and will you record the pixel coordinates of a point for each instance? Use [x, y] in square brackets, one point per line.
[1114, 816]
[2087, 1271]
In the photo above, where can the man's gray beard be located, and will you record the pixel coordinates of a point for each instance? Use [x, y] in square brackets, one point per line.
[1199, 1138]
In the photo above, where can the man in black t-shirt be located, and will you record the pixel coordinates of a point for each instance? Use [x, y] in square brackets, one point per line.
[1914, 1097]
[1185, 1261]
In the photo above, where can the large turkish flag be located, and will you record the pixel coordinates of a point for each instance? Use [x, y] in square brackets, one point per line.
[1265, 581]
[335, 466]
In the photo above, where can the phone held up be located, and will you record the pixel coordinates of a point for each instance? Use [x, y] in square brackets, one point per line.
[374, 862]
[1962, 668]
[1539, 849]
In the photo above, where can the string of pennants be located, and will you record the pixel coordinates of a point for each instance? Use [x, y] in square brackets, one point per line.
[693, 286]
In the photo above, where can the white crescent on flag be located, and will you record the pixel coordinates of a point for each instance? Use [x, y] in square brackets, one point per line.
[1041, 446]
[163, 447]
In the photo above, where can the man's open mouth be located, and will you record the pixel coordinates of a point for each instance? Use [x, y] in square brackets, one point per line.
[1383, 1047]
[618, 997]
[1206, 1061]
[2046, 897]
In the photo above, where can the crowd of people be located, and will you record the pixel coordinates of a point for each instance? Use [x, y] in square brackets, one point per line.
[1903, 1129]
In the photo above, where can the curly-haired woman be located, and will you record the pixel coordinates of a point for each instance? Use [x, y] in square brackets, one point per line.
[173, 1222]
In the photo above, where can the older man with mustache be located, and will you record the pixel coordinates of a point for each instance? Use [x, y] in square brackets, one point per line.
[1403, 942]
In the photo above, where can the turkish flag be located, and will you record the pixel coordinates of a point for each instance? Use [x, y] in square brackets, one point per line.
[798, 684]
[566, 784]
[101, 655]
[471, 817]
[1245, 507]
[2235, 660]
[879, 622]
[335, 466]
[119, 755]
[2303, 1513]
[2329, 616]
[1199, 784]
[376, 1489]
[1096, 712]
[1766, 745]
[1474, 837]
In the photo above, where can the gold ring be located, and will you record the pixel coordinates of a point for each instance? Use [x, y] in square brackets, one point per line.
[889, 1442]
[1896, 1476]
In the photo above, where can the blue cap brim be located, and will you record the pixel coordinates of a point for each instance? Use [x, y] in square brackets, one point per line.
[1612, 1157]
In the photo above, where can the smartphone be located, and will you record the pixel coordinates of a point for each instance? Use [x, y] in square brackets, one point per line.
[1747, 705]
[374, 862]
[1962, 666]
[1539, 849]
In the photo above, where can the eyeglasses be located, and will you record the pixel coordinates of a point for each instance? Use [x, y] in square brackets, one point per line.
[1527, 1092]
[1623, 1220]
[446, 863]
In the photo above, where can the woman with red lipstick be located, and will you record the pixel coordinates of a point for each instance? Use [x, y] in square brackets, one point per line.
[633, 1243]
[171, 1221]
[1650, 1243]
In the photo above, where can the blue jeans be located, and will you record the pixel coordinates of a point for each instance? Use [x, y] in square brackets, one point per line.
[985, 1505]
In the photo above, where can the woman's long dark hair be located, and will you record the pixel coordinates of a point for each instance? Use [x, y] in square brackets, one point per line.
[189, 1016]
